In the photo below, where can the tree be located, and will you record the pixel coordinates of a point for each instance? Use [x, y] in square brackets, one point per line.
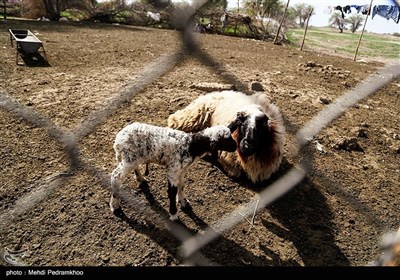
[263, 8]
[336, 19]
[33, 8]
[302, 11]
[11, 8]
[53, 9]
[355, 22]
[272, 8]
[215, 4]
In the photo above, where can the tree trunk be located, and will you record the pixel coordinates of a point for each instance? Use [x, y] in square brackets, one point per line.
[58, 9]
[53, 9]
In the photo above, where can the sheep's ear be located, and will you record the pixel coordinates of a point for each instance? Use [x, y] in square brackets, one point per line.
[233, 126]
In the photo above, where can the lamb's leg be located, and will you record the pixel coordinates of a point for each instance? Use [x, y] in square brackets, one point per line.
[175, 175]
[117, 177]
[173, 211]
[116, 181]
[139, 176]
[182, 200]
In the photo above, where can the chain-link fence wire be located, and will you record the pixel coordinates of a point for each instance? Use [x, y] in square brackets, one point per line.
[189, 252]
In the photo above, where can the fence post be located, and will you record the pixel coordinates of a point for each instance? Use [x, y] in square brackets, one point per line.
[362, 32]
[5, 9]
[236, 22]
[280, 25]
[305, 31]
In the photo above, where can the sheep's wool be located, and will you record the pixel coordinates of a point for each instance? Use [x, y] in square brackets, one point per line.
[221, 108]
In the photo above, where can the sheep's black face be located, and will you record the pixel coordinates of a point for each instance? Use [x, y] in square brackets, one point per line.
[252, 129]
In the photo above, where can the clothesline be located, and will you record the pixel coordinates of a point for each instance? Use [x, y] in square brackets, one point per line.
[385, 11]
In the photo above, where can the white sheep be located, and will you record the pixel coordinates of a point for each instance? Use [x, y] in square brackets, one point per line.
[140, 143]
[257, 127]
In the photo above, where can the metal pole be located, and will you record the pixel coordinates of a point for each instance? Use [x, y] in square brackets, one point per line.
[5, 9]
[236, 22]
[280, 25]
[362, 32]
[305, 31]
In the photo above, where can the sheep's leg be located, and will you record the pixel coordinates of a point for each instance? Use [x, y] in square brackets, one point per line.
[228, 165]
[117, 176]
[146, 172]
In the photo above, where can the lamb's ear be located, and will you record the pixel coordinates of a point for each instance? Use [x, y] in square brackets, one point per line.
[233, 126]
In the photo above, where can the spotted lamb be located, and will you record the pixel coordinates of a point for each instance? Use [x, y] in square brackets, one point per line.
[140, 143]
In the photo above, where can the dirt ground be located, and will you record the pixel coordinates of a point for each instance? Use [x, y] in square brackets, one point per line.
[335, 217]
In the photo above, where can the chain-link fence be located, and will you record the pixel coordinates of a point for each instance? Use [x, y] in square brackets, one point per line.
[190, 244]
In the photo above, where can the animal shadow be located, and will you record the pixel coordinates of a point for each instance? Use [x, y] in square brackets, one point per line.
[306, 220]
[33, 60]
[221, 251]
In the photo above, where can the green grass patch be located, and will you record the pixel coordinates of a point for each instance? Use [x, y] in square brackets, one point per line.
[331, 40]
[240, 30]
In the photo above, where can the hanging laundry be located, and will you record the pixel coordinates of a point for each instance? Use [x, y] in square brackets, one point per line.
[388, 12]
[394, 13]
[357, 7]
[347, 9]
[364, 9]
[353, 9]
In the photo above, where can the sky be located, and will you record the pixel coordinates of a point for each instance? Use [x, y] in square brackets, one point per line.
[377, 24]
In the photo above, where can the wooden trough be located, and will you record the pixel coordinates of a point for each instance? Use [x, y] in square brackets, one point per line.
[26, 42]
